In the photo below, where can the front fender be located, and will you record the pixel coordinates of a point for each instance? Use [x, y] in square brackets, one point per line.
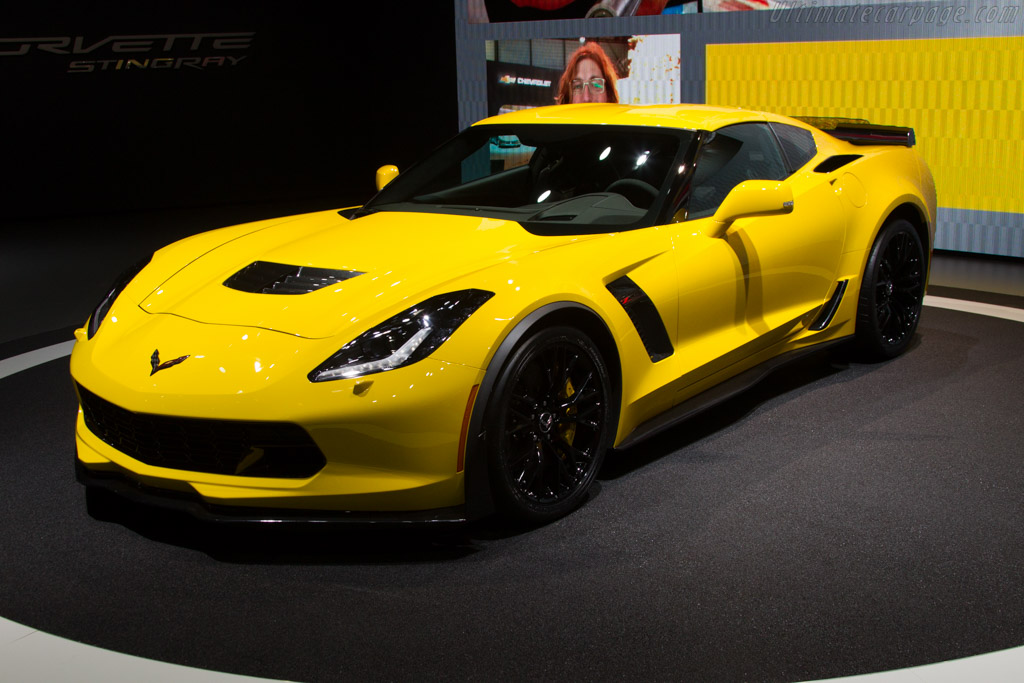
[479, 498]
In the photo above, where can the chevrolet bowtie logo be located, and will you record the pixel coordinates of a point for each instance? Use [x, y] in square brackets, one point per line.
[154, 360]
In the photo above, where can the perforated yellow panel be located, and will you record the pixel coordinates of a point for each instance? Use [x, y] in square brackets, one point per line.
[964, 98]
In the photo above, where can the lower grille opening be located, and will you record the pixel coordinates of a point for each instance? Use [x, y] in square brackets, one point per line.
[249, 449]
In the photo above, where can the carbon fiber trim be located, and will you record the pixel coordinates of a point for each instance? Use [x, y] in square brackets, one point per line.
[197, 507]
[835, 162]
[831, 307]
[645, 317]
[266, 277]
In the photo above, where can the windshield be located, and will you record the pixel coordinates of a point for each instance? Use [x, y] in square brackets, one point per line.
[550, 178]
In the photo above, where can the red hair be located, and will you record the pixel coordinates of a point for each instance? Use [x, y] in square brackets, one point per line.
[593, 52]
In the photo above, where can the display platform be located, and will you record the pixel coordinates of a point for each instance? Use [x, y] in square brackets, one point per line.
[838, 519]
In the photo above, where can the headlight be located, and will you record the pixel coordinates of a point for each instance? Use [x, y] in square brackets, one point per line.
[403, 339]
[112, 293]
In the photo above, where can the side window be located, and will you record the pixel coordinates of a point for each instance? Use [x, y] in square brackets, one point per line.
[797, 144]
[746, 151]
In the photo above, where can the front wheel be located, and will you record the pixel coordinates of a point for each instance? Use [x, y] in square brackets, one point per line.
[891, 293]
[553, 418]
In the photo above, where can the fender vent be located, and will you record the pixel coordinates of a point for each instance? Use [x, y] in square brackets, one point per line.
[265, 277]
[645, 317]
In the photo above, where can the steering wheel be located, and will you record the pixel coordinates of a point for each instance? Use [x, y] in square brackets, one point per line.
[637, 192]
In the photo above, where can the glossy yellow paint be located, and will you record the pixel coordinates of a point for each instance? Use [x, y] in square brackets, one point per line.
[407, 268]
[753, 198]
[731, 290]
[385, 174]
[252, 374]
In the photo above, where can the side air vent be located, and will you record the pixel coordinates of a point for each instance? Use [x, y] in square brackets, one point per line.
[838, 161]
[645, 317]
[829, 311]
[265, 277]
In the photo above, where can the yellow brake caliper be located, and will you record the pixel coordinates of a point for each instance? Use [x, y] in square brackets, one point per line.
[568, 432]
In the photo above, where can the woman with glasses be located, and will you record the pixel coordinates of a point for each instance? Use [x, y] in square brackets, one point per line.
[589, 77]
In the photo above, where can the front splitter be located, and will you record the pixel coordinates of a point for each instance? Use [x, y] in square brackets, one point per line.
[198, 508]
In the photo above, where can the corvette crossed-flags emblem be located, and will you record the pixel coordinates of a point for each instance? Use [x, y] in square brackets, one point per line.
[154, 361]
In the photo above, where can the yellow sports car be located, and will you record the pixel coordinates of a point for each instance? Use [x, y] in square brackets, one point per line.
[546, 285]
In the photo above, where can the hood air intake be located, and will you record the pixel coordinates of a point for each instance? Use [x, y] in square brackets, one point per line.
[265, 277]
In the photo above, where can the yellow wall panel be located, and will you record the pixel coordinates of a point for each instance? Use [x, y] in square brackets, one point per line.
[963, 97]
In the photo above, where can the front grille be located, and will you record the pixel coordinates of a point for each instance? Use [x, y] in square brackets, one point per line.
[249, 449]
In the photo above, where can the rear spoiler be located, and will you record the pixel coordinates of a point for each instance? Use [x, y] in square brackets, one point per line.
[862, 132]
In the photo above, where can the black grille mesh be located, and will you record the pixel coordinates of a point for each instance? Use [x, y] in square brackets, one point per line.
[266, 277]
[250, 449]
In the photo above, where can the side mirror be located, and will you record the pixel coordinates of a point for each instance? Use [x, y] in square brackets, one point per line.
[754, 198]
[385, 174]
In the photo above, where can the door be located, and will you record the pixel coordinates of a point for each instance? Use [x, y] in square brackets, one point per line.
[766, 276]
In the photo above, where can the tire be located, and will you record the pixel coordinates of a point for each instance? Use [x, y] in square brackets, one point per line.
[891, 293]
[553, 418]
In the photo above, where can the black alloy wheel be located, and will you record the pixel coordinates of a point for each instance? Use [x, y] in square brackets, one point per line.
[892, 292]
[554, 419]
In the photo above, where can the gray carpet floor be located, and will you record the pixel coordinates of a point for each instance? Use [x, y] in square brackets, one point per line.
[837, 519]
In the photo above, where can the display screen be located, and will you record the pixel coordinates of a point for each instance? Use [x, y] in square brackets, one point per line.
[629, 69]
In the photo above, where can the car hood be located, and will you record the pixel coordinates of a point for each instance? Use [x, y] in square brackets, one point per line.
[400, 258]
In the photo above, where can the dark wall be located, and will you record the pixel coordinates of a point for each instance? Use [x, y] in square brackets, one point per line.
[306, 107]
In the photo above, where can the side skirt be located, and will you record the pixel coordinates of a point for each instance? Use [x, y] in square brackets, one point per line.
[721, 392]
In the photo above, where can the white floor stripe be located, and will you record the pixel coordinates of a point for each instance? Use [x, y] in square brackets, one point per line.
[1005, 666]
[15, 364]
[29, 656]
[990, 310]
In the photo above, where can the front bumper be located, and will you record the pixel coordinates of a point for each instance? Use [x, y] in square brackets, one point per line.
[392, 442]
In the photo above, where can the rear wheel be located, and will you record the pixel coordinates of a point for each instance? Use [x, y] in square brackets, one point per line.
[552, 421]
[891, 292]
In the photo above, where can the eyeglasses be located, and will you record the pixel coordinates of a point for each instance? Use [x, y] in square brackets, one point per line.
[596, 84]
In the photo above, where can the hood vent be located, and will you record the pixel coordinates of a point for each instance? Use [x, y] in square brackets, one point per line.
[265, 277]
